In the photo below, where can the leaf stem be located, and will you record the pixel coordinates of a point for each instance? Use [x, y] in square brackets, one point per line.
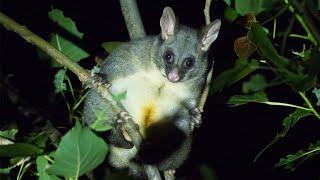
[299, 36]
[19, 176]
[311, 35]
[274, 28]
[313, 110]
[287, 105]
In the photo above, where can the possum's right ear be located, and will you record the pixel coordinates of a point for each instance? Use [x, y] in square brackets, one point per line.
[210, 34]
[167, 23]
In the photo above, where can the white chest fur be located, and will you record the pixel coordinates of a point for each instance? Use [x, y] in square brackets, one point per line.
[150, 96]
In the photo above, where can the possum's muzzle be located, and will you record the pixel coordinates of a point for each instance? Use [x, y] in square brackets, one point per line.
[162, 139]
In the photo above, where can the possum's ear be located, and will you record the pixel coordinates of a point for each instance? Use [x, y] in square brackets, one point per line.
[167, 23]
[210, 34]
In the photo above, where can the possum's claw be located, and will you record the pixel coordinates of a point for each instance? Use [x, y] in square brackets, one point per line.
[122, 118]
[196, 118]
[169, 174]
[121, 137]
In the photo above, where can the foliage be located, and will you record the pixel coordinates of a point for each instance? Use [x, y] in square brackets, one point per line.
[299, 70]
[80, 150]
[56, 15]
[291, 161]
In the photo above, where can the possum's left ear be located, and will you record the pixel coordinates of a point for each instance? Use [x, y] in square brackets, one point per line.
[210, 34]
[167, 23]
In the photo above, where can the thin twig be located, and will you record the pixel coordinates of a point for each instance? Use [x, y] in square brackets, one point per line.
[304, 20]
[313, 110]
[310, 26]
[206, 11]
[286, 35]
[209, 76]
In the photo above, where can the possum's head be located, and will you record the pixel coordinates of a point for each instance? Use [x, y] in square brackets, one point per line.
[182, 54]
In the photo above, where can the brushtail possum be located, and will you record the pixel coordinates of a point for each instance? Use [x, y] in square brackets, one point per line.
[163, 77]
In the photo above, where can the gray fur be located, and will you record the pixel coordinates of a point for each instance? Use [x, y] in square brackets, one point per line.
[139, 55]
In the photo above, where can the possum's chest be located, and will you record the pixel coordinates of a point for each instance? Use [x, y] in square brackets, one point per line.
[150, 97]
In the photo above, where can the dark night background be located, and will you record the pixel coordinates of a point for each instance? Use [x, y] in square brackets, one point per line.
[229, 137]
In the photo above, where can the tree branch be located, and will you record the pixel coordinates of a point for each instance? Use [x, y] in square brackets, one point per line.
[82, 74]
[132, 18]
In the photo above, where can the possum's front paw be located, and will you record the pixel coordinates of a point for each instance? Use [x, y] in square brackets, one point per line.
[122, 118]
[169, 174]
[196, 118]
[121, 137]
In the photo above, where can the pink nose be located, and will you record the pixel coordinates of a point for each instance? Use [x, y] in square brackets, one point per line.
[174, 75]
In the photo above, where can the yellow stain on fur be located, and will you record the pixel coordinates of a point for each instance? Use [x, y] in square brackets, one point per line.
[148, 115]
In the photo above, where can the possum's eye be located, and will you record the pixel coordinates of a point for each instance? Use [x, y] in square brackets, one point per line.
[189, 62]
[168, 56]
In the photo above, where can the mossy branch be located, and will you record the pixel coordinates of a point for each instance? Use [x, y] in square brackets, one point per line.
[83, 75]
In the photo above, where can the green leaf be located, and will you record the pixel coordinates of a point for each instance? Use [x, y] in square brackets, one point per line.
[265, 46]
[292, 74]
[287, 123]
[19, 150]
[291, 161]
[240, 70]
[304, 54]
[316, 92]
[9, 134]
[74, 52]
[5, 170]
[252, 6]
[37, 138]
[120, 96]
[59, 84]
[228, 2]
[207, 173]
[42, 165]
[110, 46]
[100, 124]
[79, 151]
[259, 97]
[230, 14]
[256, 83]
[56, 15]
[292, 120]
